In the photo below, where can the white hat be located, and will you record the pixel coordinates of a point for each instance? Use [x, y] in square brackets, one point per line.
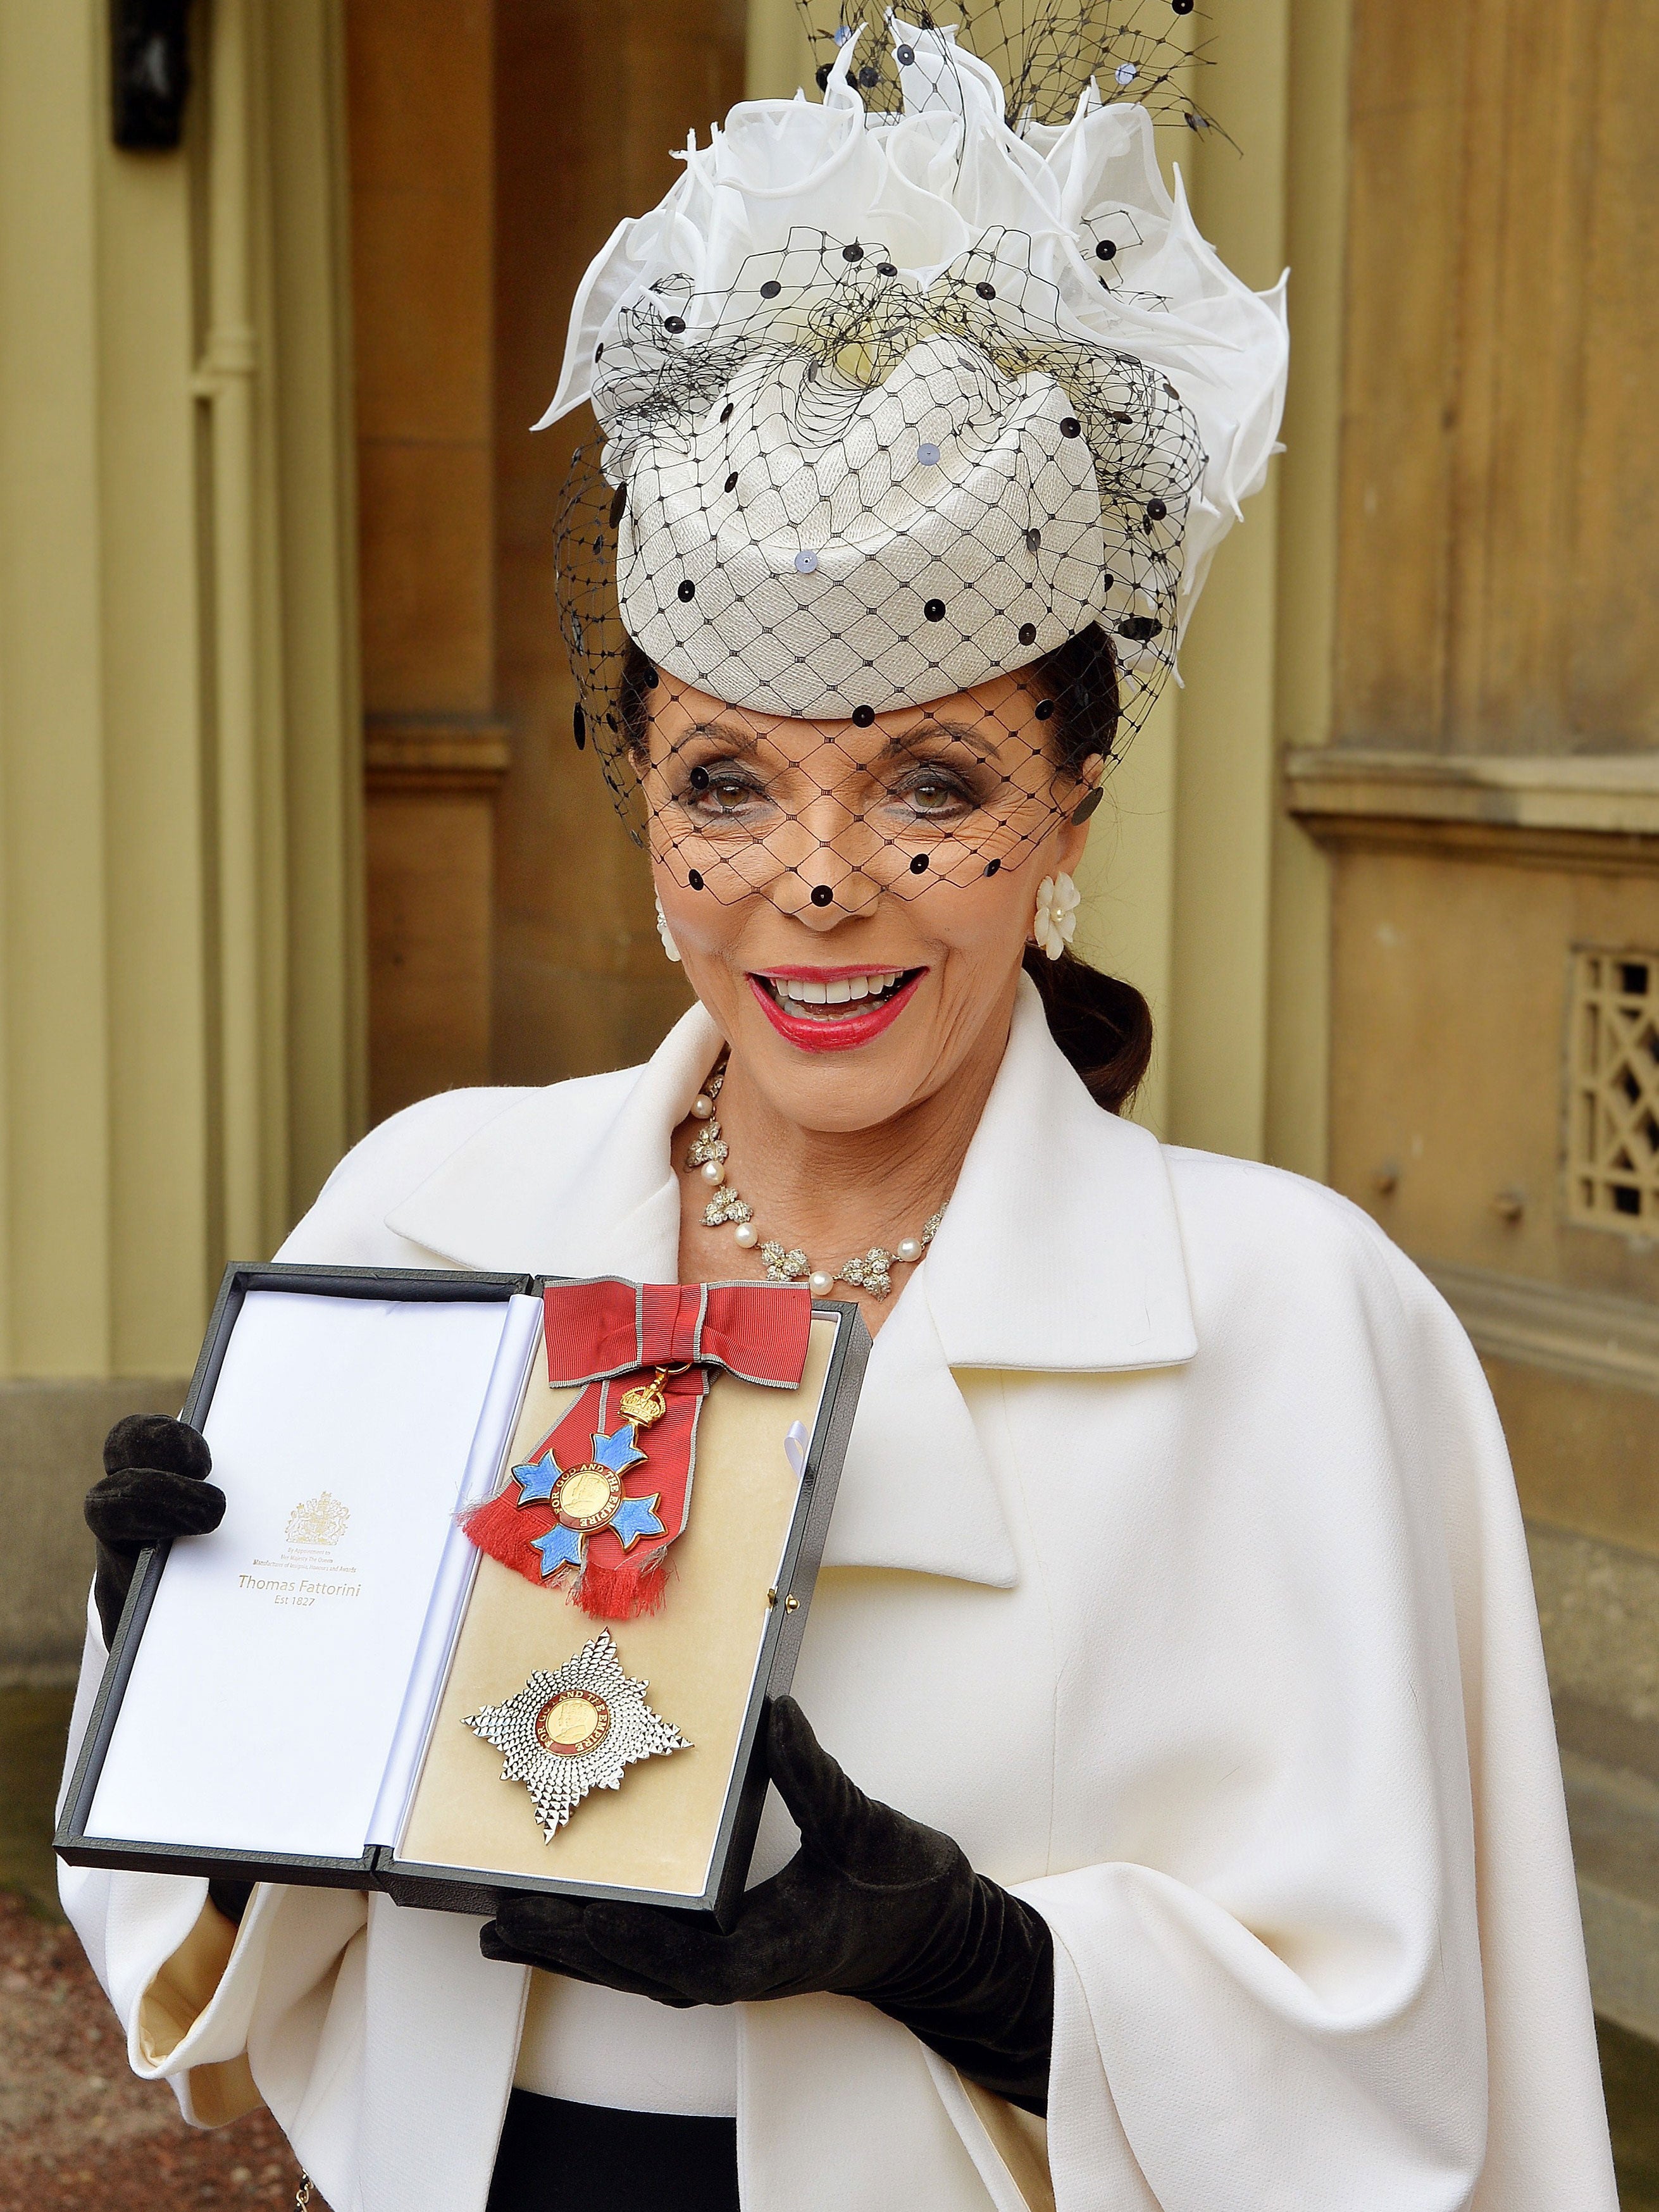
[897, 403]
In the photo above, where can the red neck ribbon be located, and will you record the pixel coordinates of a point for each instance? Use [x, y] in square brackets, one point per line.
[609, 1336]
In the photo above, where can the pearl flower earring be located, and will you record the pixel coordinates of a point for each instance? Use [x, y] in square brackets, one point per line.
[668, 943]
[1058, 899]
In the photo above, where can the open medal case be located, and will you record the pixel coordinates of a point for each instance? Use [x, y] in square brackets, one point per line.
[293, 1698]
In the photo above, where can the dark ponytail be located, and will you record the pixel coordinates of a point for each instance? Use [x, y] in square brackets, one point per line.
[1104, 1027]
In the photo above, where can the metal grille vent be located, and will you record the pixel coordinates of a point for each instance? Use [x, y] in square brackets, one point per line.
[1612, 1100]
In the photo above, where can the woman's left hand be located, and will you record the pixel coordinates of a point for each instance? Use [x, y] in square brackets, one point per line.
[873, 1905]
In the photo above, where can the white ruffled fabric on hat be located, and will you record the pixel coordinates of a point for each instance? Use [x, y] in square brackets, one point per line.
[809, 581]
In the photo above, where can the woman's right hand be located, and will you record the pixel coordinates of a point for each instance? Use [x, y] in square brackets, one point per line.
[155, 1486]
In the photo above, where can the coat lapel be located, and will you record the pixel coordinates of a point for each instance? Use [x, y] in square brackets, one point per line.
[572, 1184]
[1060, 1251]
[916, 1490]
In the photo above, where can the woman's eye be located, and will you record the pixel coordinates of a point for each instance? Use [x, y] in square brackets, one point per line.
[930, 791]
[729, 791]
[720, 791]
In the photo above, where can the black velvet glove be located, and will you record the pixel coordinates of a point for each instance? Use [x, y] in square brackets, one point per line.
[154, 1486]
[873, 1905]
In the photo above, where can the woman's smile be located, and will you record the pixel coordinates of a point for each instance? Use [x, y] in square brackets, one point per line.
[832, 1009]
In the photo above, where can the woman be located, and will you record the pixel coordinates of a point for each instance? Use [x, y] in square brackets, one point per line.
[1175, 1614]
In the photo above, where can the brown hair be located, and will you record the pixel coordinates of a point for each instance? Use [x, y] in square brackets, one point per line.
[1104, 1027]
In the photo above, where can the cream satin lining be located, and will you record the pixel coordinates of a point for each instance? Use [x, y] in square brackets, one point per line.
[1022, 2143]
[176, 1999]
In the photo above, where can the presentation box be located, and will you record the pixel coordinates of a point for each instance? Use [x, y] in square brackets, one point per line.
[292, 1697]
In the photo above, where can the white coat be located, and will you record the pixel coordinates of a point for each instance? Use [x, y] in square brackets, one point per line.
[1176, 1571]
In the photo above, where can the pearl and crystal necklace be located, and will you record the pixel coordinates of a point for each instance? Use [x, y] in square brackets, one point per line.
[871, 1270]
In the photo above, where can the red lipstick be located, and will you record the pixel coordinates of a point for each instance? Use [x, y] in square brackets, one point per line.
[839, 1032]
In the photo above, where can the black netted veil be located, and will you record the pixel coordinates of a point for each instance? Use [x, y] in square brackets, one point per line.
[1047, 53]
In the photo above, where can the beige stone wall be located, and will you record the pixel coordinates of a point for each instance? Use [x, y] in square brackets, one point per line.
[421, 96]
[1490, 802]
[1484, 787]
[591, 102]
[179, 1056]
[493, 148]
[50, 1437]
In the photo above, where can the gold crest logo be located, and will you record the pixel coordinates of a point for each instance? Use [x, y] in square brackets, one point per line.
[320, 1520]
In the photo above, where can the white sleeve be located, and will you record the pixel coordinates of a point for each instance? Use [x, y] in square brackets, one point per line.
[208, 2012]
[1345, 1969]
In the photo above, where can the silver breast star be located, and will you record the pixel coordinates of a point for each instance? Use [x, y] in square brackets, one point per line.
[575, 1731]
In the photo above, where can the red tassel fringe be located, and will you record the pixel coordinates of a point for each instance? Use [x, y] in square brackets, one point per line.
[500, 1533]
[622, 1592]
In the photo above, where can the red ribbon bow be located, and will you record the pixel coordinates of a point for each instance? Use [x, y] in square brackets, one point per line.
[610, 1337]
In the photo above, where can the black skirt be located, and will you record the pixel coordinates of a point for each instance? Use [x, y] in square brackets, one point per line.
[556, 2155]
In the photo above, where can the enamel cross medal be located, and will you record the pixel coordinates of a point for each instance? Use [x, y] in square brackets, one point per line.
[585, 1513]
[584, 1499]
